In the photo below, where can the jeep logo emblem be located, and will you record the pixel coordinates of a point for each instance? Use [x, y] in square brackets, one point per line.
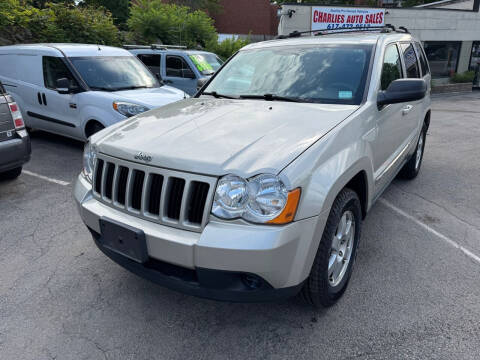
[143, 157]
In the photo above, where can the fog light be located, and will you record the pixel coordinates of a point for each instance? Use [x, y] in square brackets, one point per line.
[252, 281]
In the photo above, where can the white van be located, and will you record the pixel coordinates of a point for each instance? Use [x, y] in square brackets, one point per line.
[76, 90]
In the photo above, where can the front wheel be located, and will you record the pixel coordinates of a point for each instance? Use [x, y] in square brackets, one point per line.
[336, 253]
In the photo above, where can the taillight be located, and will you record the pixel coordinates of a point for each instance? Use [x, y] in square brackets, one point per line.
[17, 116]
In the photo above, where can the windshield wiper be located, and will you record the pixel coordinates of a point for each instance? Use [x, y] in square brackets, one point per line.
[101, 88]
[273, 97]
[217, 95]
[131, 88]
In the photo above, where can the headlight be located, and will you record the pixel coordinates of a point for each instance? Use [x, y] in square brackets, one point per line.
[261, 199]
[89, 159]
[128, 109]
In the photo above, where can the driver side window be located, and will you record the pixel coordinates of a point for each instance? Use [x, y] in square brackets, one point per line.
[53, 69]
[392, 67]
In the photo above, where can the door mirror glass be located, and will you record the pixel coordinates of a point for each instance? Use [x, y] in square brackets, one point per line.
[63, 86]
[402, 90]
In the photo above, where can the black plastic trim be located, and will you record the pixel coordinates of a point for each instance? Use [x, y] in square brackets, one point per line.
[205, 283]
[47, 118]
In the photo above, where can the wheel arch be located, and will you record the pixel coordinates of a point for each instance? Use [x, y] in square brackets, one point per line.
[88, 128]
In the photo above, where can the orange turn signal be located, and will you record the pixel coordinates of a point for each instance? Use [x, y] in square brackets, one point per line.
[288, 214]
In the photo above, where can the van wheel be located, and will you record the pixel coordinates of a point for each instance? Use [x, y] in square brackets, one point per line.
[92, 128]
[411, 169]
[336, 253]
[11, 174]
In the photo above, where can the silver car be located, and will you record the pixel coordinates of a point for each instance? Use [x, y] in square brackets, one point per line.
[256, 189]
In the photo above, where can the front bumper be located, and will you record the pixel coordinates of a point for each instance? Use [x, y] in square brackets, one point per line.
[15, 152]
[220, 261]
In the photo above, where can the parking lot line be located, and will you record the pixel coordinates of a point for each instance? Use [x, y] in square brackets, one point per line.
[430, 230]
[46, 178]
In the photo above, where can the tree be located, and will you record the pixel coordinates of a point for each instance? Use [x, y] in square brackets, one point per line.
[209, 6]
[120, 9]
[152, 21]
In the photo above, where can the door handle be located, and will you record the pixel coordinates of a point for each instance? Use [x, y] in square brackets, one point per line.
[406, 109]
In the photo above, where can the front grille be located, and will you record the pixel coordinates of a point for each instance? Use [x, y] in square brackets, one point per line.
[164, 196]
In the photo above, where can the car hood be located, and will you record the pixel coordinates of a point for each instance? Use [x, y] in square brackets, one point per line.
[221, 136]
[151, 98]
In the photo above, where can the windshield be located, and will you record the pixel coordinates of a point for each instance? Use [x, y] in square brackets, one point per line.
[112, 73]
[206, 63]
[332, 74]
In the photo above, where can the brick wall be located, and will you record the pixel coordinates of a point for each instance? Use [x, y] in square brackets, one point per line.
[257, 17]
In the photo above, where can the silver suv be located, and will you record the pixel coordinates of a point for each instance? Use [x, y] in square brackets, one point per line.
[256, 188]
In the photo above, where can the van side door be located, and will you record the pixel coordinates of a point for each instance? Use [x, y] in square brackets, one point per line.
[179, 74]
[62, 109]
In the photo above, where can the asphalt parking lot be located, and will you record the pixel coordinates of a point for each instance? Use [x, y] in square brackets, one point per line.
[415, 292]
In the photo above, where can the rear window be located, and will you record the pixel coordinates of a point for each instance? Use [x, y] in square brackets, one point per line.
[423, 60]
[411, 62]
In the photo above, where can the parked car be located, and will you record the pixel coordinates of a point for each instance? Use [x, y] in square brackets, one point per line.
[184, 69]
[76, 90]
[15, 146]
[256, 188]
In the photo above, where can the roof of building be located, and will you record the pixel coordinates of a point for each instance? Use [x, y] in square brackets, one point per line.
[449, 4]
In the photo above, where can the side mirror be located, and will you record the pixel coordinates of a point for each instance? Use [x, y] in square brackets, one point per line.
[63, 86]
[201, 82]
[402, 90]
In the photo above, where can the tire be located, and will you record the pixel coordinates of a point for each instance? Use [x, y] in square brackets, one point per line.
[412, 167]
[322, 289]
[11, 174]
[93, 129]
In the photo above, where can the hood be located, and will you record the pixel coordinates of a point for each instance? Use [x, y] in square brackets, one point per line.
[221, 136]
[152, 98]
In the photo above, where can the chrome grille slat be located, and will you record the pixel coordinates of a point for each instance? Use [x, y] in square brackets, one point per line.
[167, 197]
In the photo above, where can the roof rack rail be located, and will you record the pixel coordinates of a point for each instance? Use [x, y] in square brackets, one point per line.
[383, 29]
[155, 47]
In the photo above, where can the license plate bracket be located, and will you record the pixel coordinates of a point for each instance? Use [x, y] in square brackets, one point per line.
[124, 240]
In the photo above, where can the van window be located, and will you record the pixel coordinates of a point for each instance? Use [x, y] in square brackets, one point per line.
[392, 67]
[423, 60]
[152, 61]
[53, 69]
[178, 67]
[411, 62]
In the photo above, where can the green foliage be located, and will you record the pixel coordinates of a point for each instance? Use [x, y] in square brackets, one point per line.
[466, 77]
[210, 6]
[152, 21]
[56, 23]
[120, 9]
[227, 47]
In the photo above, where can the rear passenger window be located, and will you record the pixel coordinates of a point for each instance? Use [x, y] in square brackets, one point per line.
[411, 62]
[53, 69]
[392, 67]
[423, 60]
[152, 61]
[178, 67]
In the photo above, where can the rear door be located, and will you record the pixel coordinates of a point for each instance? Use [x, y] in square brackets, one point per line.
[179, 74]
[412, 112]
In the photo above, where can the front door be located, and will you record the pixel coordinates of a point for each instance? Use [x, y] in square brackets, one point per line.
[62, 114]
[179, 74]
[391, 131]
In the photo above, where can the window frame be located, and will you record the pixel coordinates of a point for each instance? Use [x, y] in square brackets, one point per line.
[421, 55]
[402, 64]
[184, 62]
[411, 43]
[78, 88]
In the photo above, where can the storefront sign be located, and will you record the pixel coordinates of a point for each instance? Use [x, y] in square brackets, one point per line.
[329, 18]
